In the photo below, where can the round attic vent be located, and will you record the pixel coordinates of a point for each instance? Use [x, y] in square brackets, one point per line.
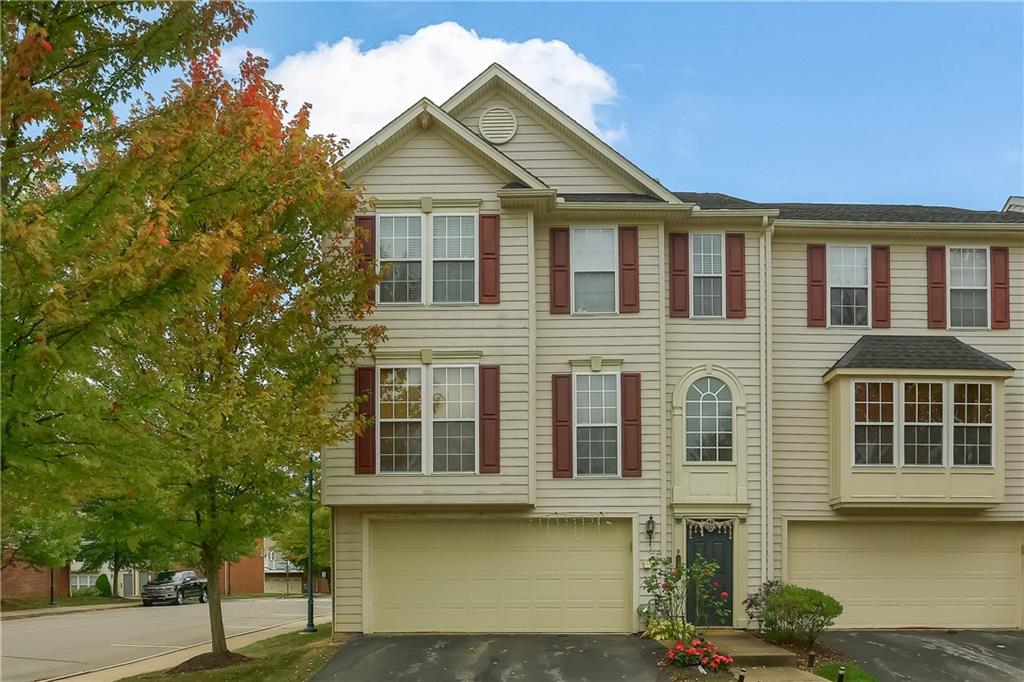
[497, 125]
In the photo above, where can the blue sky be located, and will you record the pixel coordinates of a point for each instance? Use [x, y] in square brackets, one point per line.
[889, 103]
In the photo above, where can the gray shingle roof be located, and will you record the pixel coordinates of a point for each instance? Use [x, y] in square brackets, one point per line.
[916, 352]
[900, 213]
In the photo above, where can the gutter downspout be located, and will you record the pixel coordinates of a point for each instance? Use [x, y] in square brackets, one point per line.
[767, 398]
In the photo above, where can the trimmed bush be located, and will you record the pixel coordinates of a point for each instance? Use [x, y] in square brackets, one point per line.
[103, 585]
[798, 614]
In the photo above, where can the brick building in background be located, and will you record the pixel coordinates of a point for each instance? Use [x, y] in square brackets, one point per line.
[23, 580]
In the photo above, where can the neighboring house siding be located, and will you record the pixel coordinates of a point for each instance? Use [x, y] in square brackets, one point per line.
[800, 449]
[548, 155]
[733, 344]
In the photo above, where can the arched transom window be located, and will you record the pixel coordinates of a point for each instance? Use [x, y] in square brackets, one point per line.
[708, 421]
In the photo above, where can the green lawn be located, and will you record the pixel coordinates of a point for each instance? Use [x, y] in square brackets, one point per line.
[853, 673]
[294, 657]
[25, 603]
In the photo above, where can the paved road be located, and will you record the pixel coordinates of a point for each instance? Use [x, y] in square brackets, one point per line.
[935, 655]
[51, 646]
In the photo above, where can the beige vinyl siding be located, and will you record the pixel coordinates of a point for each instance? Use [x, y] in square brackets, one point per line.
[429, 165]
[801, 355]
[500, 333]
[632, 338]
[733, 344]
[549, 156]
[347, 570]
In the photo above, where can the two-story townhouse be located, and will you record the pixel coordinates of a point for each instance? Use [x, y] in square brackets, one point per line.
[584, 369]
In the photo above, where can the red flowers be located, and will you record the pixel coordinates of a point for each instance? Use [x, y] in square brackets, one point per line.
[725, 595]
[664, 586]
[716, 584]
[700, 652]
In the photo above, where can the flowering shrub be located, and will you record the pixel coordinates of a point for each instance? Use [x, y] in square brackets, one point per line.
[666, 586]
[674, 629]
[711, 601]
[699, 652]
[754, 603]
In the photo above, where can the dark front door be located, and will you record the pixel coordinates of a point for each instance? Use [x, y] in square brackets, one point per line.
[716, 546]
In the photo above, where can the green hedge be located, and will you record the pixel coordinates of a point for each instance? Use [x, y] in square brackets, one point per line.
[798, 614]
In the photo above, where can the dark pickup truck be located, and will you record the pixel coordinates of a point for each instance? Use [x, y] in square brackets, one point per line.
[174, 587]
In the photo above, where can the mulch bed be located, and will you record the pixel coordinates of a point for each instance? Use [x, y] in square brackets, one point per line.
[209, 661]
[823, 654]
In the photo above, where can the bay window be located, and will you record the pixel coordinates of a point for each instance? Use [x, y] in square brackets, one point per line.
[933, 423]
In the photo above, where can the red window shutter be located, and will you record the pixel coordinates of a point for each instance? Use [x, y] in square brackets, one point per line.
[490, 419]
[880, 294]
[367, 224]
[490, 270]
[679, 274]
[629, 269]
[631, 451]
[817, 286]
[936, 257]
[561, 427]
[1000, 266]
[559, 260]
[366, 442]
[735, 275]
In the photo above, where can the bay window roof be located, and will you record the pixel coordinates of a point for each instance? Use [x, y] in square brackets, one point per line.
[925, 352]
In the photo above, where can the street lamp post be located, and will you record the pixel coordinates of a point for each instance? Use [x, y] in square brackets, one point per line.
[53, 588]
[309, 556]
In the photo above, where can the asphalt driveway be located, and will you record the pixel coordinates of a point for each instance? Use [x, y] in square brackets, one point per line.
[498, 658]
[935, 655]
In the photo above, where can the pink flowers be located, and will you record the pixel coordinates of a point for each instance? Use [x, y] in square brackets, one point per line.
[725, 595]
[665, 586]
[700, 652]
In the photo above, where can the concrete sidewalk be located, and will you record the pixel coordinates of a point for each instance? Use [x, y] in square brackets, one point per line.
[61, 610]
[170, 659]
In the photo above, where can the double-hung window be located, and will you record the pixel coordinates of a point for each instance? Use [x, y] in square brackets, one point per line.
[448, 265]
[848, 278]
[597, 424]
[594, 258]
[707, 256]
[873, 422]
[400, 249]
[427, 419]
[454, 259]
[968, 287]
[972, 424]
[923, 417]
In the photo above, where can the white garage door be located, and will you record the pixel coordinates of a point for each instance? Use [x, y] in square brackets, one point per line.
[903, 574]
[500, 576]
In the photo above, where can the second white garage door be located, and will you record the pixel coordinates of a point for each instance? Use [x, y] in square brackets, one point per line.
[501, 576]
[904, 574]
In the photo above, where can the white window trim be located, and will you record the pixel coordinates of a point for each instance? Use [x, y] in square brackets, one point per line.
[948, 454]
[426, 259]
[693, 275]
[618, 426]
[476, 259]
[829, 286]
[572, 271]
[427, 419]
[947, 424]
[686, 431]
[896, 423]
[947, 414]
[950, 287]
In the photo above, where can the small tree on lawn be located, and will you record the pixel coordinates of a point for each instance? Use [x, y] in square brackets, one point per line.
[243, 375]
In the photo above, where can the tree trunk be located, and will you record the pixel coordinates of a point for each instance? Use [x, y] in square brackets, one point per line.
[211, 566]
[113, 583]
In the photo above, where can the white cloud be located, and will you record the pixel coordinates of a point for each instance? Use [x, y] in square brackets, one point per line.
[232, 56]
[354, 92]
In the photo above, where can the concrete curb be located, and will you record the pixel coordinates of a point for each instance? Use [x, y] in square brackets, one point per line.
[63, 610]
[168, 659]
